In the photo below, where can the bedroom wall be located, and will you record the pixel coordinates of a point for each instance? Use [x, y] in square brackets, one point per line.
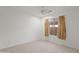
[72, 23]
[17, 28]
[72, 20]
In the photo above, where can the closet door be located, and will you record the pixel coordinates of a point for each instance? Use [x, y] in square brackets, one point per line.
[62, 28]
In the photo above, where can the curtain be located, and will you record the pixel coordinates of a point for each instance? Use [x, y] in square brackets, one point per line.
[62, 28]
[46, 27]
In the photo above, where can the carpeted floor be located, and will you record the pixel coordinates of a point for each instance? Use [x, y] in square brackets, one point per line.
[40, 46]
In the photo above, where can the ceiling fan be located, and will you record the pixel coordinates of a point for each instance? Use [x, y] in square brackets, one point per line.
[45, 11]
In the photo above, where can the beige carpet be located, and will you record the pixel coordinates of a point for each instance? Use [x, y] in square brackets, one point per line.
[41, 46]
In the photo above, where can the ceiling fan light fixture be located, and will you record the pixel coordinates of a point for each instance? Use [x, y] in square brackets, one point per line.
[46, 11]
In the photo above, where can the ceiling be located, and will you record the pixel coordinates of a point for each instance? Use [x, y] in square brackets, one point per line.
[31, 10]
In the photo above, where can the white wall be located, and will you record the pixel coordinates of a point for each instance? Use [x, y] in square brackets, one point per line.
[72, 20]
[17, 28]
[72, 27]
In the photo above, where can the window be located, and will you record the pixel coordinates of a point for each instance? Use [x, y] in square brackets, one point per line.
[56, 26]
[53, 25]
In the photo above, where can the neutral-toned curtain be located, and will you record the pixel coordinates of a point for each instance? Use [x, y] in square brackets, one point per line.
[46, 27]
[62, 28]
